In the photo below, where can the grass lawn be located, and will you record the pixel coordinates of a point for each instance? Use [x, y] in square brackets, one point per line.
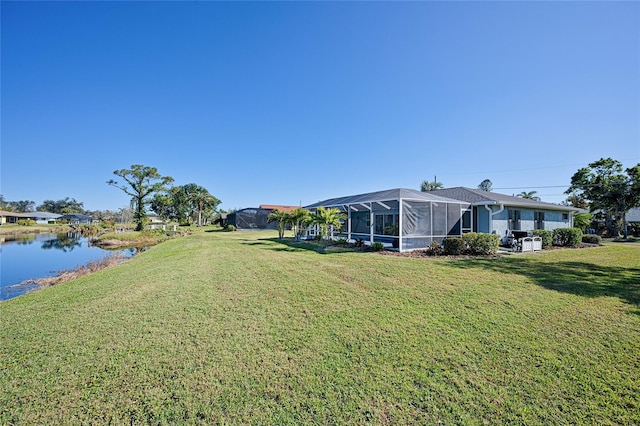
[238, 328]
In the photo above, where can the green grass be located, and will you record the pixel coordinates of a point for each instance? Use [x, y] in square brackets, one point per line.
[237, 328]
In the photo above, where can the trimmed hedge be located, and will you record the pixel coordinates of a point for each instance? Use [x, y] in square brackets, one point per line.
[472, 243]
[592, 239]
[479, 243]
[546, 235]
[567, 237]
[454, 246]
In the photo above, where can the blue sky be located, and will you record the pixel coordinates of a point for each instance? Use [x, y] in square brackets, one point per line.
[289, 103]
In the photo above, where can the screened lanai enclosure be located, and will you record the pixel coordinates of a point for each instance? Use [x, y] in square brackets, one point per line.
[404, 219]
[251, 218]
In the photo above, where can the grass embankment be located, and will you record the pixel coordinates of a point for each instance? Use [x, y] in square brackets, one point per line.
[133, 238]
[11, 229]
[238, 328]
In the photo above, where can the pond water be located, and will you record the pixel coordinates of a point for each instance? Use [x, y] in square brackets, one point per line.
[31, 256]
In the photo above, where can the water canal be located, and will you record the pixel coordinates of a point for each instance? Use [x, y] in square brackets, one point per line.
[31, 256]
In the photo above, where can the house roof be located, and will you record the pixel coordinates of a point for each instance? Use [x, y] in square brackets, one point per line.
[480, 197]
[12, 214]
[76, 216]
[44, 215]
[279, 208]
[633, 215]
[386, 195]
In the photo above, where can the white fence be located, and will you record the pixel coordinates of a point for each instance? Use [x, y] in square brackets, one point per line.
[531, 244]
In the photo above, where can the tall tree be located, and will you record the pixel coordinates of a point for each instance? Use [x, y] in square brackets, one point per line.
[576, 201]
[485, 185]
[531, 195]
[203, 200]
[427, 186]
[24, 206]
[606, 187]
[140, 183]
[64, 206]
[185, 203]
[282, 218]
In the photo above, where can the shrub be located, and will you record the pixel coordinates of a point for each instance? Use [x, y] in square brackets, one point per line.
[153, 232]
[377, 246]
[592, 239]
[454, 246]
[546, 235]
[88, 229]
[341, 241]
[567, 237]
[483, 244]
[434, 249]
[229, 228]
[26, 222]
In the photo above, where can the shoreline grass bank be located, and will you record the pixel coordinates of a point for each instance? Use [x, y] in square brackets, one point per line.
[237, 328]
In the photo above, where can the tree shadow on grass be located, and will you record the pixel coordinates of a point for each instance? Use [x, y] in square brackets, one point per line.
[579, 278]
[293, 245]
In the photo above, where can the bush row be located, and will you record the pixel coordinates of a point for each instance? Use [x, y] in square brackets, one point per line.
[592, 239]
[484, 244]
[546, 236]
[567, 237]
[472, 243]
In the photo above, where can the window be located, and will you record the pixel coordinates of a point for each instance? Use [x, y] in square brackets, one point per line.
[538, 220]
[565, 216]
[514, 220]
[466, 221]
[387, 224]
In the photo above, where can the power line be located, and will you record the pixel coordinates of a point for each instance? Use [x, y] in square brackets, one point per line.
[521, 169]
[534, 187]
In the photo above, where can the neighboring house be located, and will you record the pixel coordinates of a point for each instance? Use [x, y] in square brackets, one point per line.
[633, 215]
[495, 213]
[77, 219]
[279, 208]
[155, 220]
[633, 221]
[43, 217]
[10, 217]
[221, 220]
[404, 218]
[251, 218]
[256, 218]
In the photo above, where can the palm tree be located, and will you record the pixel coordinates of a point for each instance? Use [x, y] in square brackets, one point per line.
[202, 200]
[426, 186]
[282, 218]
[299, 219]
[531, 195]
[328, 220]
